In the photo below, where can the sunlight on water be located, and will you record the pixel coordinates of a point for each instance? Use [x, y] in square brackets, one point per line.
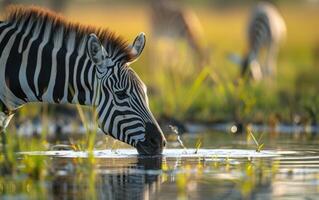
[168, 153]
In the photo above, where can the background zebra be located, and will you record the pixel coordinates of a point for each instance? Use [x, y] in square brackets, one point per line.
[170, 21]
[44, 58]
[266, 29]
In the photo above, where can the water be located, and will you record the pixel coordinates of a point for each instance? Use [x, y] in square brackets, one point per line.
[225, 167]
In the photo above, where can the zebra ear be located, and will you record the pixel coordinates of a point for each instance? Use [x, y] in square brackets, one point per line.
[137, 46]
[95, 50]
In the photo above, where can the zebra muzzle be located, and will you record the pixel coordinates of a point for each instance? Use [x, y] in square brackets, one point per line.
[154, 141]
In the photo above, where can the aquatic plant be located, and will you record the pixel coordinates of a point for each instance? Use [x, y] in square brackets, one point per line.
[259, 146]
[198, 144]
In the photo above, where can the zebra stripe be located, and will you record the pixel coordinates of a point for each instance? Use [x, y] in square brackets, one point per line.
[265, 31]
[69, 50]
[47, 32]
[76, 66]
[83, 82]
[23, 69]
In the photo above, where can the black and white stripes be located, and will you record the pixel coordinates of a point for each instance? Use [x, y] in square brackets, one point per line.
[266, 29]
[44, 58]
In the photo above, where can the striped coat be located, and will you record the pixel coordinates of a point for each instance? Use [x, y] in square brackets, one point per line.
[265, 31]
[45, 58]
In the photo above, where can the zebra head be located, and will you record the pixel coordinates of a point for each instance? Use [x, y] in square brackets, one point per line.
[122, 103]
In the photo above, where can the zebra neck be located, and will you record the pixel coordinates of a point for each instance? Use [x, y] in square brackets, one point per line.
[72, 81]
[70, 78]
[39, 64]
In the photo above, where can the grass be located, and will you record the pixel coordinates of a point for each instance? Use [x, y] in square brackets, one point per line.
[198, 145]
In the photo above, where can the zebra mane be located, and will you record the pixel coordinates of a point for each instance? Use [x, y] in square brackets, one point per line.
[109, 39]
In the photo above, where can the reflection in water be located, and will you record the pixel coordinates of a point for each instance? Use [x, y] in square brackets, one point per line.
[114, 179]
[144, 178]
[132, 182]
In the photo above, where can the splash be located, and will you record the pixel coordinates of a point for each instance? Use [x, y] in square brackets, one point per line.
[175, 130]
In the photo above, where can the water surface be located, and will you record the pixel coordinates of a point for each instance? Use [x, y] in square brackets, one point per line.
[225, 167]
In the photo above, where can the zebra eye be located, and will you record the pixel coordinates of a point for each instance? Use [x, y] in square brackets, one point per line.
[121, 94]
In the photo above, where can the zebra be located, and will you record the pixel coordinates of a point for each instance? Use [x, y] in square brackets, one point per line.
[265, 31]
[45, 58]
[170, 21]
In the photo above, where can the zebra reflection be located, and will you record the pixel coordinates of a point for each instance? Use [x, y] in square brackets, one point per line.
[137, 180]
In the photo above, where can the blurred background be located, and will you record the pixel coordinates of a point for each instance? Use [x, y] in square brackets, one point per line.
[188, 64]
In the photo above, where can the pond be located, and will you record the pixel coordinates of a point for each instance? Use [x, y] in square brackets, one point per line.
[226, 166]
